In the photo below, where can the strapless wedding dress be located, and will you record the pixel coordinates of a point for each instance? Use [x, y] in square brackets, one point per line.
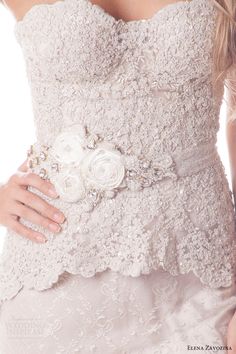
[126, 117]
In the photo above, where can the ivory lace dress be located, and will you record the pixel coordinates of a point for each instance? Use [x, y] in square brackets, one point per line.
[126, 119]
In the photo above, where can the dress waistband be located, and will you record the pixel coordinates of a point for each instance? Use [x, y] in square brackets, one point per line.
[82, 164]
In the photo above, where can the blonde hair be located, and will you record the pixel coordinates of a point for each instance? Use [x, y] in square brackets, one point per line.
[225, 50]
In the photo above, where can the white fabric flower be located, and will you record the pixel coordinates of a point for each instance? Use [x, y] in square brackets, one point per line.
[68, 147]
[103, 168]
[69, 185]
[78, 129]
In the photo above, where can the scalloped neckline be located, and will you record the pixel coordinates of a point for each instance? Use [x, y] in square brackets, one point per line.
[36, 7]
[102, 12]
[99, 9]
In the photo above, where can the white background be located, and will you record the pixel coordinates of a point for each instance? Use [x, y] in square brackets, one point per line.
[16, 118]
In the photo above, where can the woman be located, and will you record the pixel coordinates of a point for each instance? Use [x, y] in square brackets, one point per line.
[142, 258]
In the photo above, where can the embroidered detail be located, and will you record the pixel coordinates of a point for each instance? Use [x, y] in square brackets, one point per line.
[87, 165]
[148, 90]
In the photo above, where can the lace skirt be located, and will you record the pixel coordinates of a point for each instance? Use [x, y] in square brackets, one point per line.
[112, 313]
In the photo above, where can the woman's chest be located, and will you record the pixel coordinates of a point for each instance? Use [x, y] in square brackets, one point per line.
[73, 39]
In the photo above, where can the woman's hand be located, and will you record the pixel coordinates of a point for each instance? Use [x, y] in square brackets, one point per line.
[16, 201]
[231, 335]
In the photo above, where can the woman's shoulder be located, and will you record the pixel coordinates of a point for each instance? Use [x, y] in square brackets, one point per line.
[20, 8]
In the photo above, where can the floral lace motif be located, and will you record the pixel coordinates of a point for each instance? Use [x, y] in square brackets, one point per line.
[150, 314]
[147, 87]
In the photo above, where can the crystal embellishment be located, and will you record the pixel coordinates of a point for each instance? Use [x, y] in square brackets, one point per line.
[84, 166]
[43, 173]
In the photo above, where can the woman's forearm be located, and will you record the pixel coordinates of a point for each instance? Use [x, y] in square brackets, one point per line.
[231, 125]
[231, 143]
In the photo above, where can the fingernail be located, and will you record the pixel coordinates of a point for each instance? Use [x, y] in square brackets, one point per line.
[53, 193]
[59, 217]
[54, 227]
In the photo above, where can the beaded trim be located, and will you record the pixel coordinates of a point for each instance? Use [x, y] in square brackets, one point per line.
[82, 164]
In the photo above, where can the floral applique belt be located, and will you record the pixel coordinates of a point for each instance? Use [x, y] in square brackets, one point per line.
[82, 165]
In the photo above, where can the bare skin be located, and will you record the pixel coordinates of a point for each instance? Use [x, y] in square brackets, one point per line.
[14, 192]
[127, 10]
[231, 142]
[17, 201]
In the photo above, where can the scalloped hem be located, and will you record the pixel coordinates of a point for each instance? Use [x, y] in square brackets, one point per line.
[41, 286]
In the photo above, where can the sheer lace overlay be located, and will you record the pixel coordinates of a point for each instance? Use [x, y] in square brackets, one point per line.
[111, 313]
[147, 86]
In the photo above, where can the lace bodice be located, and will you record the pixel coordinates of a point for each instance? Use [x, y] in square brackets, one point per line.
[147, 87]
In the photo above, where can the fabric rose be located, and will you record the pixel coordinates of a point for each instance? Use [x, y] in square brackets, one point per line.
[103, 168]
[68, 147]
[69, 185]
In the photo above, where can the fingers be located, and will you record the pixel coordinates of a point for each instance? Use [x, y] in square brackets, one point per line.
[41, 206]
[32, 179]
[24, 231]
[19, 202]
[32, 216]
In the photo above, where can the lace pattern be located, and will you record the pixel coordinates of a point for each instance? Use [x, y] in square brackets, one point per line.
[151, 314]
[148, 87]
